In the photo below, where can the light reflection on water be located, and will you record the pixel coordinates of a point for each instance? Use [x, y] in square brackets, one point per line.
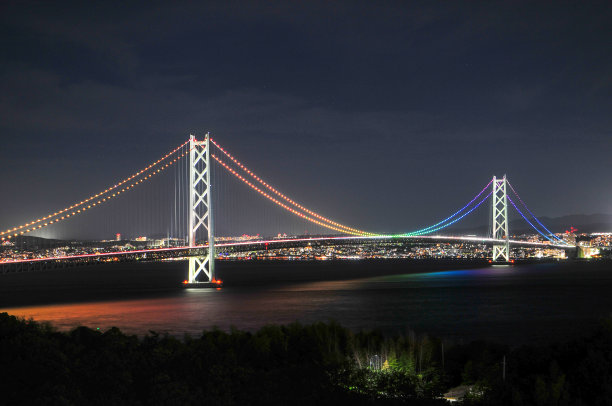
[495, 270]
[508, 303]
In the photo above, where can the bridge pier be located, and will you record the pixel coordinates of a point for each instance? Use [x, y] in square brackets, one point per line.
[198, 265]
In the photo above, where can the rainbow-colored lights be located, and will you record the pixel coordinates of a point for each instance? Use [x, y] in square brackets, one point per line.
[244, 174]
[530, 223]
[430, 230]
[532, 215]
[434, 227]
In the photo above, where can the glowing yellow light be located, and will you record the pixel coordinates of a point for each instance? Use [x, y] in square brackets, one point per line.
[349, 230]
[331, 227]
[99, 194]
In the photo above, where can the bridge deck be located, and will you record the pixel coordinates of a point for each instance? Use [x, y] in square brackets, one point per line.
[181, 252]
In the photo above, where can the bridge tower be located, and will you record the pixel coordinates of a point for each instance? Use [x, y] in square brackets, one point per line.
[501, 252]
[200, 210]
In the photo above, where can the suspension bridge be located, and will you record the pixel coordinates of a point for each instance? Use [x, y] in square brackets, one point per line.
[194, 218]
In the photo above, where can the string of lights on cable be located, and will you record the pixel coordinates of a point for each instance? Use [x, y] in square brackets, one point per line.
[345, 229]
[102, 197]
[281, 204]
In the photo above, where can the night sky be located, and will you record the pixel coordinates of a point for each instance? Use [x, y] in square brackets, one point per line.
[382, 115]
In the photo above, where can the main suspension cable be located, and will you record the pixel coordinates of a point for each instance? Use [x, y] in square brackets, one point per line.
[54, 218]
[283, 205]
[430, 230]
[434, 227]
[530, 223]
[349, 230]
[532, 215]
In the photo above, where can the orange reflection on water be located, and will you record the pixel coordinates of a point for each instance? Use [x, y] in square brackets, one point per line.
[131, 316]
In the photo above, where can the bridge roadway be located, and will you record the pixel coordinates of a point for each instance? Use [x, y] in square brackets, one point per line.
[155, 254]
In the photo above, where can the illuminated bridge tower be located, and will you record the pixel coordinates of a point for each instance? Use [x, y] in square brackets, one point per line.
[200, 210]
[501, 251]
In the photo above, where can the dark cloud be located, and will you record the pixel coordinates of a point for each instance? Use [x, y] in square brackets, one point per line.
[398, 112]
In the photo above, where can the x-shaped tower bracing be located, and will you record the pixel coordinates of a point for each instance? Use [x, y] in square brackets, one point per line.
[200, 208]
[200, 212]
[501, 252]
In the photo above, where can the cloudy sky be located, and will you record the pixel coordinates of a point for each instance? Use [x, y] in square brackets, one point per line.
[384, 115]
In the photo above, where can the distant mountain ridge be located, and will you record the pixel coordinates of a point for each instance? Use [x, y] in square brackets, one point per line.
[584, 223]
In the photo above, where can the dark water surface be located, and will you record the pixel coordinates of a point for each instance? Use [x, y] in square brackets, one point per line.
[456, 300]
